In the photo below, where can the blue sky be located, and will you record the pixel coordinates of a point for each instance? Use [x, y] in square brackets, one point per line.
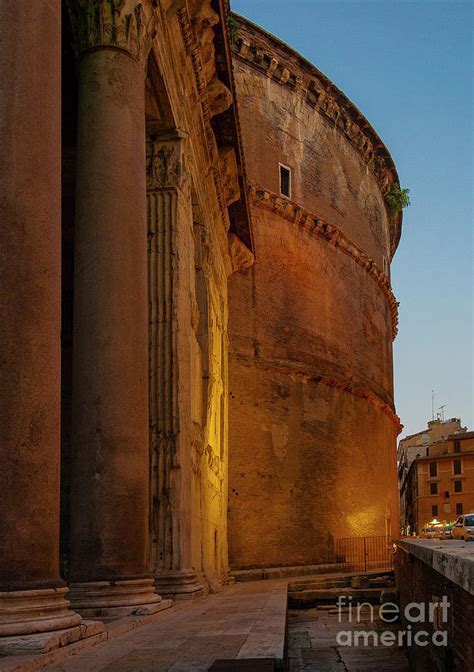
[408, 65]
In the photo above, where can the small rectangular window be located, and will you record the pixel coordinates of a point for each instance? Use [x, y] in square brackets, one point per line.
[285, 181]
[457, 486]
[457, 446]
[433, 488]
[434, 510]
[459, 509]
[457, 467]
[433, 468]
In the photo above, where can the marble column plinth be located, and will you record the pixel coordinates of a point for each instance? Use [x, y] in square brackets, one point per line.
[178, 584]
[24, 612]
[134, 597]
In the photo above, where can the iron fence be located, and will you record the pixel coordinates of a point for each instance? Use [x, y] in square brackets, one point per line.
[364, 554]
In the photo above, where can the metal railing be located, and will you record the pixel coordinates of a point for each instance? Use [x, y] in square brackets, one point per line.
[363, 554]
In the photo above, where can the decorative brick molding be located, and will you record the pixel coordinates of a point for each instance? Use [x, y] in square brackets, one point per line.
[310, 222]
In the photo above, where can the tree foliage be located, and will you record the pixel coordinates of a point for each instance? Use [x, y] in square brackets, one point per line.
[397, 198]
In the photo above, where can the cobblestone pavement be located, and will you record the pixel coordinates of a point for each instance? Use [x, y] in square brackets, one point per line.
[312, 644]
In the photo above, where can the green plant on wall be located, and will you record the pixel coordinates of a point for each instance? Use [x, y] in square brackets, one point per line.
[233, 30]
[396, 199]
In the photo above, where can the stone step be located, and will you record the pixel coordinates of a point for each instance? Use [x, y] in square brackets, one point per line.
[304, 599]
[263, 573]
[343, 580]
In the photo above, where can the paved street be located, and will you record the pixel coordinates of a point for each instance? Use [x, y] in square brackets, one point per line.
[244, 621]
[312, 645]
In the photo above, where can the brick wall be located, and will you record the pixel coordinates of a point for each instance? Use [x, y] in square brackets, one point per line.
[418, 582]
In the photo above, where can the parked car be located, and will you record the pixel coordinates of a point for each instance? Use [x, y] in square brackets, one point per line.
[464, 527]
[431, 532]
[447, 531]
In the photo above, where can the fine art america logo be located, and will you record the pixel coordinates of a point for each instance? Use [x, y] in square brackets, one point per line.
[415, 615]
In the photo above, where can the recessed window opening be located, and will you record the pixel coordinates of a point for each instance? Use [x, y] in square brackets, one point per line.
[285, 180]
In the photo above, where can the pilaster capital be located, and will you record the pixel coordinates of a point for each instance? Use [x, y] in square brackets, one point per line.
[121, 24]
[164, 161]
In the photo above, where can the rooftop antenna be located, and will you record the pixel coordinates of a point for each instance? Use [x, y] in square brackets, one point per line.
[432, 404]
[441, 414]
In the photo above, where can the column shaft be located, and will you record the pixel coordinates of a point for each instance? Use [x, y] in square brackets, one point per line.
[110, 465]
[32, 599]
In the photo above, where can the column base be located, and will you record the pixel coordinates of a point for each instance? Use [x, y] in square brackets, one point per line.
[134, 597]
[44, 642]
[181, 584]
[37, 620]
[25, 612]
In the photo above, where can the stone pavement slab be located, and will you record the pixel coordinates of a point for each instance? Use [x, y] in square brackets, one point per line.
[319, 651]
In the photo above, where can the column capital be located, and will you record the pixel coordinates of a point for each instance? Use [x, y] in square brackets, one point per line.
[117, 24]
[164, 161]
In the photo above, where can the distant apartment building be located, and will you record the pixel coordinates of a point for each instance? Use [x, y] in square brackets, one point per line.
[436, 475]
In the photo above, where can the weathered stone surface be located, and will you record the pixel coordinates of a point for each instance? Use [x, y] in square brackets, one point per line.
[241, 257]
[437, 576]
[452, 559]
[312, 422]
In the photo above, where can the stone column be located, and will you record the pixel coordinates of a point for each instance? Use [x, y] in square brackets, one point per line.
[169, 213]
[32, 597]
[109, 565]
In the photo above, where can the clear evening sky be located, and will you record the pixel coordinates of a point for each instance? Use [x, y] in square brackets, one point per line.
[408, 66]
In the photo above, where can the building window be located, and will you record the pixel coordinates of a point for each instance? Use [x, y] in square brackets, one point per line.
[457, 486]
[457, 446]
[433, 488]
[285, 181]
[457, 467]
[459, 509]
[434, 510]
[433, 468]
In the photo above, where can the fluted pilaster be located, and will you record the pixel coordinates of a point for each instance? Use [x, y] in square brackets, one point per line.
[167, 197]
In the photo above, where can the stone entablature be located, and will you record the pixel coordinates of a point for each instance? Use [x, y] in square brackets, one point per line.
[198, 29]
[309, 221]
[282, 64]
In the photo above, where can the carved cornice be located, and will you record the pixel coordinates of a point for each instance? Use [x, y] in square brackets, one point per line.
[310, 222]
[120, 24]
[339, 383]
[189, 31]
[282, 64]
